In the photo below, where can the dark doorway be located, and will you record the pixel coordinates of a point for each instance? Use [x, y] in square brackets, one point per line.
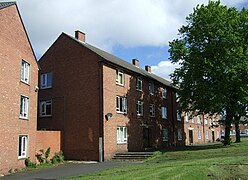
[146, 137]
[190, 136]
[213, 136]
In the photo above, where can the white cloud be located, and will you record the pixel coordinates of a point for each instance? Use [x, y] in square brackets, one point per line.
[164, 69]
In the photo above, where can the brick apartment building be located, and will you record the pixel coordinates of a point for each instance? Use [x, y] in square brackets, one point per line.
[18, 82]
[104, 105]
[200, 129]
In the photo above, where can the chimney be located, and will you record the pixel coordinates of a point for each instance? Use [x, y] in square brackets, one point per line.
[148, 68]
[136, 62]
[80, 36]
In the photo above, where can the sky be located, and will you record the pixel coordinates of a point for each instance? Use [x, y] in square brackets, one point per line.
[128, 29]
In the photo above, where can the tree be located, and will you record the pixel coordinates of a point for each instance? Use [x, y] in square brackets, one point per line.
[212, 51]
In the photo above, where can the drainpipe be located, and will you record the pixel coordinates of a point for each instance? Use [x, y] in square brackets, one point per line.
[100, 96]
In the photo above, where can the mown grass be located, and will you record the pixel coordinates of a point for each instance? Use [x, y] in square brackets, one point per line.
[202, 162]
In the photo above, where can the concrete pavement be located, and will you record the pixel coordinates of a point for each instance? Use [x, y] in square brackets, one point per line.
[66, 170]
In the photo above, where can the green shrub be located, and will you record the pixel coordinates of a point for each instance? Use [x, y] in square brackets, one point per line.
[28, 163]
[43, 156]
[58, 158]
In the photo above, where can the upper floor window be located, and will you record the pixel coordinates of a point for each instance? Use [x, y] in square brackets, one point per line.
[23, 146]
[164, 112]
[24, 105]
[152, 110]
[121, 135]
[179, 134]
[119, 77]
[25, 68]
[121, 104]
[45, 108]
[46, 80]
[151, 88]
[177, 97]
[186, 117]
[206, 120]
[138, 84]
[193, 118]
[164, 93]
[178, 115]
[199, 119]
[165, 134]
[139, 108]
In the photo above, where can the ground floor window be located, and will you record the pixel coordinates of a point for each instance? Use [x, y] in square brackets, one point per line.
[206, 134]
[199, 134]
[165, 134]
[179, 134]
[23, 145]
[121, 134]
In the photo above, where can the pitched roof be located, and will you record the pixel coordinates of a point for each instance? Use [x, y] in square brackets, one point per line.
[123, 64]
[6, 4]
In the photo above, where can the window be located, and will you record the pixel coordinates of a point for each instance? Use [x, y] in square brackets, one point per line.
[151, 88]
[246, 131]
[164, 112]
[193, 119]
[46, 80]
[179, 134]
[165, 134]
[25, 68]
[164, 93]
[138, 84]
[199, 134]
[232, 132]
[121, 135]
[23, 145]
[152, 110]
[178, 115]
[206, 134]
[121, 104]
[45, 108]
[199, 119]
[119, 77]
[186, 117]
[177, 97]
[139, 107]
[206, 120]
[24, 104]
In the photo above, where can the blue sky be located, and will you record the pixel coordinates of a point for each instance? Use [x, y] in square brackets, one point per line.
[125, 28]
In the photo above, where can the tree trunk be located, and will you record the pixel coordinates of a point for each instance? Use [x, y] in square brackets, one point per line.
[228, 122]
[237, 129]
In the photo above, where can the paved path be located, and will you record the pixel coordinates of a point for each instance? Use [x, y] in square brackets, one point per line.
[66, 170]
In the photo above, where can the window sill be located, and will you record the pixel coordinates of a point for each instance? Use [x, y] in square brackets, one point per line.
[122, 85]
[121, 143]
[140, 90]
[50, 87]
[22, 157]
[46, 116]
[165, 140]
[23, 118]
[24, 82]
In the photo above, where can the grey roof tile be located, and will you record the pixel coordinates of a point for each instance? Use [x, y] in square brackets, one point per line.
[6, 4]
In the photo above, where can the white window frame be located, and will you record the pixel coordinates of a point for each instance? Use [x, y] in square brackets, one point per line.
[165, 135]
[44, 80]
[151, 88]
[138, 84]
[24, 107]
[152, 110]
[199, 134]
[120, 80]
[121, 104]
[198, 119]
[22, 146]
[193, 118]
[121, 135]
[45, 103]
[164, 93]
[25, 72]
[177, 97]
[140, 108]
[206, 121]
[186, 117]
[206, 134]
[179, 134]
[178, 115]
[164, 112]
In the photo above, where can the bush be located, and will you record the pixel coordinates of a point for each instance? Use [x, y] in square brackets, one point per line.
[58, 158]
[43, 156]
[28, 163]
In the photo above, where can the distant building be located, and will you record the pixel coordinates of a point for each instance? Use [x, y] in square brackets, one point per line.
[18, 91]
[104, 105]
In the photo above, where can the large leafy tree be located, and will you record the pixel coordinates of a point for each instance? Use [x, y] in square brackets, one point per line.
[213, 53]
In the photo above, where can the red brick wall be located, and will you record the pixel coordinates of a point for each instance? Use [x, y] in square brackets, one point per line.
[14, 47]
[75, 97]
[46, 139]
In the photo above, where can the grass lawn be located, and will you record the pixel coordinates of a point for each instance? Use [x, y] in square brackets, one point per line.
[201, 162]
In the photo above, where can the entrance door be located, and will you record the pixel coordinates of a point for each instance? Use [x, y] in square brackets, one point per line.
[190, 136]
[213, 136]
[146, 138]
